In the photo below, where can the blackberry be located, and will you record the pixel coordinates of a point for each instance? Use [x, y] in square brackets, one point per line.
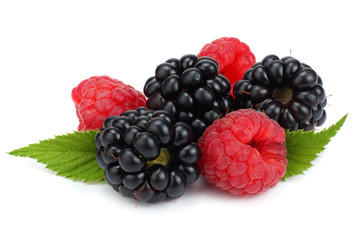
[191, 89]
[146, 155]
[288, 91]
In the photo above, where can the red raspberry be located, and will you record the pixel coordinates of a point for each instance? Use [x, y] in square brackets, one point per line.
[99, 97]
[243, 153]
[233, 56]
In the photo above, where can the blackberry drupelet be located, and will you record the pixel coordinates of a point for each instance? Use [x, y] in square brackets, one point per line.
[191, 89]
[288, 91]
[146, 155]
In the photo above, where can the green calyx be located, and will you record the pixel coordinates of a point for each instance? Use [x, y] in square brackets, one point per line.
[164, 158]
[283, 94]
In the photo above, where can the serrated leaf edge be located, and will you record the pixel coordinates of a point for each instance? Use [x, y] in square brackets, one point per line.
[21, 152]
[335, 127]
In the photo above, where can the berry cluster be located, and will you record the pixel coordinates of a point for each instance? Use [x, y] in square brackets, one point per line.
[191, 89]
[288, 91]
[146, 155]
[152, 152]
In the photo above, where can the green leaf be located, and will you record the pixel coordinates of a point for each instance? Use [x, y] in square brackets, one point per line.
[72, 156]
[304, 147]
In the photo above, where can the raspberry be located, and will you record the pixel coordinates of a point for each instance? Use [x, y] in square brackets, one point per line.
[288, 91]
[243, 153]
[233, 56]
[146, 155]
[191, 90]
[99, 97]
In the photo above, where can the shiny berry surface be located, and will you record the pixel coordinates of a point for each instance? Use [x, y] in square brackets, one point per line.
[288, 91]
[193, 91]
[146, 154]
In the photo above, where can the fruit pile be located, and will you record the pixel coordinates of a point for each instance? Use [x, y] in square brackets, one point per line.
[239, 123]
[152, 153]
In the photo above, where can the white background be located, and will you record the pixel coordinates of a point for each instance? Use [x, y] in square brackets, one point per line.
[48, 47]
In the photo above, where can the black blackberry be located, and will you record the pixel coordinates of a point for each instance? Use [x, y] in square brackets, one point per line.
[191, 89]
[146, 155]
[288, 91]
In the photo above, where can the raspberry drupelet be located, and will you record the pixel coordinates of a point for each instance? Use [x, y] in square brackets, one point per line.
[234, 57]
[243, 153]
[99, 97]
